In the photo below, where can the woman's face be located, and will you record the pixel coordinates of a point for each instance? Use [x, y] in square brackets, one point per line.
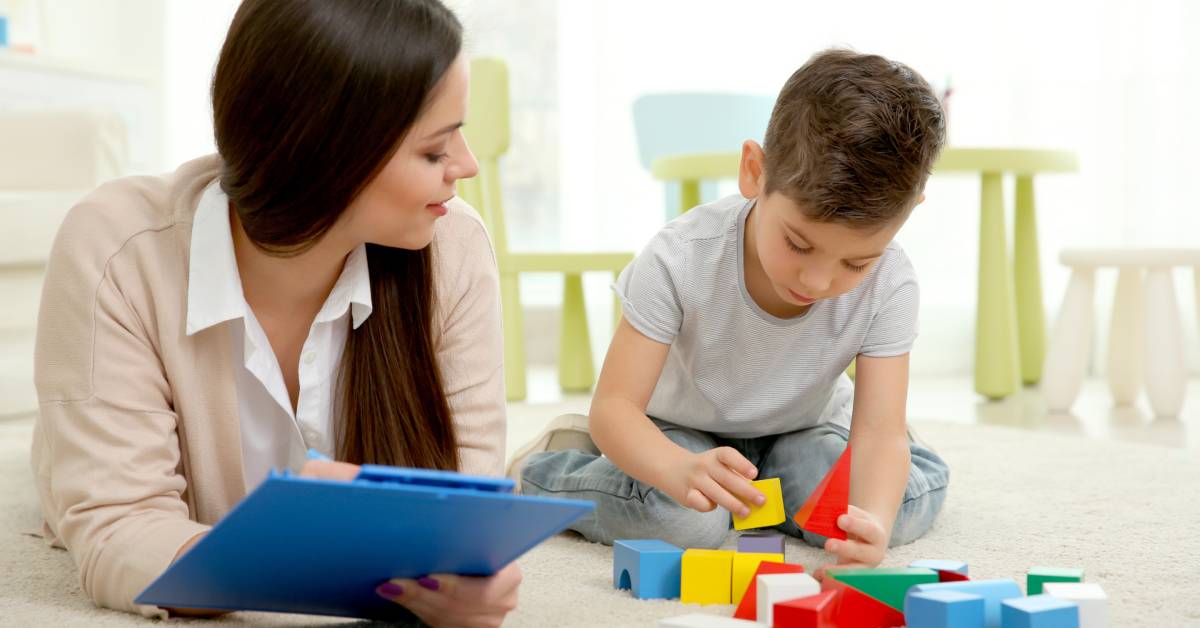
[398, 207]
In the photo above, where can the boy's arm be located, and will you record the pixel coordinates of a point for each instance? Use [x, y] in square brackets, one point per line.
[620, 428]
[879, 438]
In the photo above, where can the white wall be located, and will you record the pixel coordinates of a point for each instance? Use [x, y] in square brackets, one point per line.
[1116, 82]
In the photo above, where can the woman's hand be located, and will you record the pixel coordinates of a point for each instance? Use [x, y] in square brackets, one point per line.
[329, 470]
[443, 600]
[865, 545]
[717, 477]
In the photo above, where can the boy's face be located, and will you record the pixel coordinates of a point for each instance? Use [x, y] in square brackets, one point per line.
[804, 260]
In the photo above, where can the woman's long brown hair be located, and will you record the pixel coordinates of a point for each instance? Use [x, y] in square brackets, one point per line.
[310, 99]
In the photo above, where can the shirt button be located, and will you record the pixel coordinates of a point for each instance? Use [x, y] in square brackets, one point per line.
[310, 357]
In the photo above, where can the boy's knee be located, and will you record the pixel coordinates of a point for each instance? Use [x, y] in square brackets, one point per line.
[916, 517]
[691, 529]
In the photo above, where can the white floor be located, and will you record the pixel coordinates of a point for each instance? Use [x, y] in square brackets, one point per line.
[943, 399]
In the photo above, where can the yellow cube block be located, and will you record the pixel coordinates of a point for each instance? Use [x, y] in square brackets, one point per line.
[744, 566]
[707, 576]
[770, 513]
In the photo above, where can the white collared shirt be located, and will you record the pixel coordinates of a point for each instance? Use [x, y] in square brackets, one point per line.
[273, 436]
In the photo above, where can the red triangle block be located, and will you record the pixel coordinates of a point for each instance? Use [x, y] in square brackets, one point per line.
[860, 610]
[815, 611]
[950, 576]
[748, 609]
[830, 500]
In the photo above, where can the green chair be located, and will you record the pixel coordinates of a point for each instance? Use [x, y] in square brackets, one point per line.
[487, 132]
[695, 123]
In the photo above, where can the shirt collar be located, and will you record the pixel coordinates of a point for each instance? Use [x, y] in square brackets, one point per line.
[215, 287]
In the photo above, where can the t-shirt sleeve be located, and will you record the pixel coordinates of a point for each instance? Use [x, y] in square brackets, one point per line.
[894, 326]
[649, 288]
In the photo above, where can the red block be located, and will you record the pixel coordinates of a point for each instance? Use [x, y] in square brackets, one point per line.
[748, 609]
[950, 576]
[856, 609]
[814, 611]
[830, 500]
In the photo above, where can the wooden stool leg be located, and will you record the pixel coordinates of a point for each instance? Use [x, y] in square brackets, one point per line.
[1070, 346]
[1027, 273]
[1125, 338]
[1165, 367]
[514, 336]
[996, 360]
[575, 370]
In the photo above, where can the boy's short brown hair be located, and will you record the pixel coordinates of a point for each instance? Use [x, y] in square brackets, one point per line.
[853, 138]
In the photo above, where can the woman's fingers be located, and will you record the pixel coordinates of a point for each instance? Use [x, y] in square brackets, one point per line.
[329, 470]
[446, 599]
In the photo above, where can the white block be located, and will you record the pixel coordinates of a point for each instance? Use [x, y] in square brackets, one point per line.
[700, 620]
[1093, 603]
[781, 587]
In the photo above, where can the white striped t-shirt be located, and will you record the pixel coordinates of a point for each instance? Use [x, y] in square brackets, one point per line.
[735, 370]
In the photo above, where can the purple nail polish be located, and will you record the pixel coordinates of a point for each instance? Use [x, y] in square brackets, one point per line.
[389, 590]
[428, 583]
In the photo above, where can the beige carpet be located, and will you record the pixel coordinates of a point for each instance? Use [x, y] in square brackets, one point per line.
[1128, 514]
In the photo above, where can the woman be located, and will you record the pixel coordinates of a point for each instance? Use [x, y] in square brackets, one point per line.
[312, 285]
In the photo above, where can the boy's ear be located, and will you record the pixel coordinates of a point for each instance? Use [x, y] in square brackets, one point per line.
[751, 178]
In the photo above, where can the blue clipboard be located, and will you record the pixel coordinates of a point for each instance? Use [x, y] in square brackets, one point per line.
[315, 546]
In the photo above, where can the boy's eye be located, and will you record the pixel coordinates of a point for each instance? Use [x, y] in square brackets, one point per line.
[857, 269]
[793, 246]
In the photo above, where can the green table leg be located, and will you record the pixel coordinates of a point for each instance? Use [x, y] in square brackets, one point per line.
[996, 373]
[1031, 314]
[689, 195]
[514, 337]
[575, 370]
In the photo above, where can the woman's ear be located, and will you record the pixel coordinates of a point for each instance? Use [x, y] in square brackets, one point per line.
[751, 178]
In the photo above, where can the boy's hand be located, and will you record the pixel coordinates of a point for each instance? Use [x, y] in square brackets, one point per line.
[865, 545]
[717, 477]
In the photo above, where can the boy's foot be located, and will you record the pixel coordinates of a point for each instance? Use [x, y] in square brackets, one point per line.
[568, 431]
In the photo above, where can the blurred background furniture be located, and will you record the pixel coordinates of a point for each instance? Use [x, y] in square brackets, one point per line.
[48, 161]
[699, 129]
[1145, 340]
[487, 132]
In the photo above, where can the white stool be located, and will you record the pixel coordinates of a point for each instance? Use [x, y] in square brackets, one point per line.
[1145, 339]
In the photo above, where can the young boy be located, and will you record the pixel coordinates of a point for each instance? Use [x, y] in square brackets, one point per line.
[740, 318]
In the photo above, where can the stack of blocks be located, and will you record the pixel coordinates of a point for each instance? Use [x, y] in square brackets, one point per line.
[768, 591]
[927, 594]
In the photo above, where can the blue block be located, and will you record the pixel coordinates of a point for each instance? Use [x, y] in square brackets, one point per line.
[944, 609]
[3, 32]
[651, 569]
[1039, 611]
[957, 566]
[993, 593]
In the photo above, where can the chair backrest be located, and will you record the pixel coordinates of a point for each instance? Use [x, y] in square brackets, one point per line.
[697, 122]
[487, 132]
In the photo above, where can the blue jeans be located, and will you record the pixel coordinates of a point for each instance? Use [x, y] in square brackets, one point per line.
[629, 509]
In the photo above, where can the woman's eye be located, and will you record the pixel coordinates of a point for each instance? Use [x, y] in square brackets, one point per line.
[436, 158]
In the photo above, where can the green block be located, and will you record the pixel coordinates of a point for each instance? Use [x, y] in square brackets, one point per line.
[1041, 575]
[888, 585]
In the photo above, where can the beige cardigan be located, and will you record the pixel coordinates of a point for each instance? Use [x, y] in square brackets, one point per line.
[137, 447]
